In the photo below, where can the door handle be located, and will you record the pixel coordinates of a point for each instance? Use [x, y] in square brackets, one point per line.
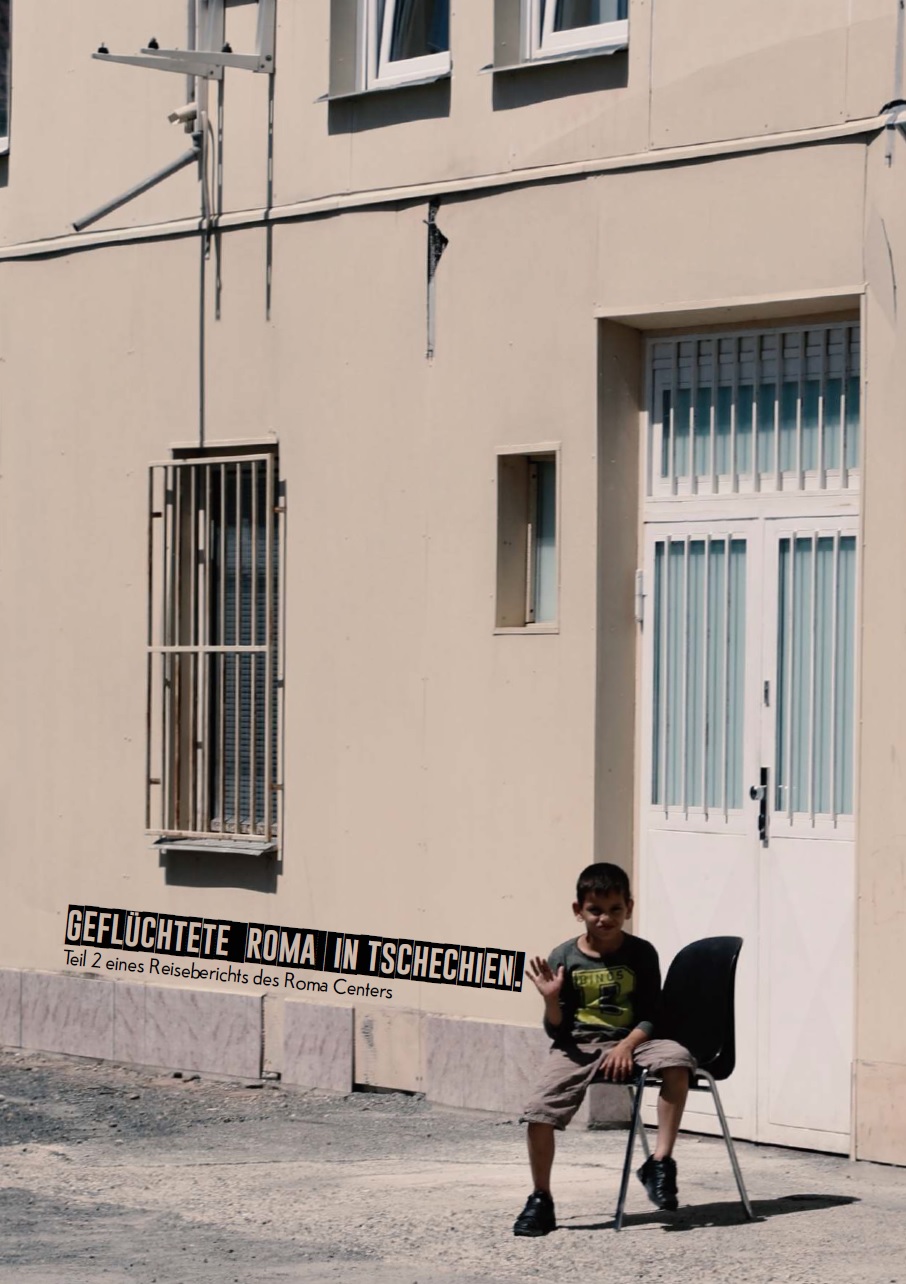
[759, 793]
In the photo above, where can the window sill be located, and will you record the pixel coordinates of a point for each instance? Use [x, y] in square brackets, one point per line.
[522, 630]
[545, 60]
[217, 846]
[386, 88]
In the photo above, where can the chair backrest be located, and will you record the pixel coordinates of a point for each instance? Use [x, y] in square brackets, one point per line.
[698, 1002]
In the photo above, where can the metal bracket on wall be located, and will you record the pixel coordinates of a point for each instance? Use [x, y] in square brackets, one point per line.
[437, 243]
[214, 54]
[896, 120]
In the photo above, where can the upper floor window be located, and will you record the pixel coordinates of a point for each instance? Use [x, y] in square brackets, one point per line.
[4, 74]
[533, 31]
[572, 26]
[381, 44]
[410, 40]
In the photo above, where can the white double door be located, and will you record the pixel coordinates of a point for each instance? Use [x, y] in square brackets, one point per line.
[747, 797]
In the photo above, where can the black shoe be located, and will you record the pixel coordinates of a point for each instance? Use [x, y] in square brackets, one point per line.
[537, 1218]
[658, 1176]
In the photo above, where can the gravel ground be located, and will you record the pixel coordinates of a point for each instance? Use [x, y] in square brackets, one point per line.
[111, 1173]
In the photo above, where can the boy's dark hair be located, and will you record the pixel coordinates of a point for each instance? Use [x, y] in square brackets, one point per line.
[602, 878]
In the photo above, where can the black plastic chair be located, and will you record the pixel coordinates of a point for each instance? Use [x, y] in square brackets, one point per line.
[698, 1013]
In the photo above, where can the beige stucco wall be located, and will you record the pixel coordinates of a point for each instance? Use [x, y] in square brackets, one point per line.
[440, 780]
[692, 74]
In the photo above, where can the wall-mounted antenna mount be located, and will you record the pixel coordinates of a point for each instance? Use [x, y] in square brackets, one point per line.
[214, 54]
[206, 62]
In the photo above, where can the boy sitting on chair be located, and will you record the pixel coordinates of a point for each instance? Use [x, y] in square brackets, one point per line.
[601, 997]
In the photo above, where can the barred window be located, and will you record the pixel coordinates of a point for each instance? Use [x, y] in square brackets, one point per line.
[737, 413]
[212, 649]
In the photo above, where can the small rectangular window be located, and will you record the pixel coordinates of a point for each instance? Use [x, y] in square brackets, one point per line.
[4, 74]
[212, 648]
[527, 587]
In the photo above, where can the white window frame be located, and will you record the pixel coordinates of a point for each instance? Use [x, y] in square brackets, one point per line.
[380, 71]
[516, 597]
[6, 57]
[545, 42]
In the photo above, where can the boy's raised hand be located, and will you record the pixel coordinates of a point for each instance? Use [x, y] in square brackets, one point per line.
[547, 982]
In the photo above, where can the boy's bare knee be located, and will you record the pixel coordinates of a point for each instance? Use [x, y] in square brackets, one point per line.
[675, 1081]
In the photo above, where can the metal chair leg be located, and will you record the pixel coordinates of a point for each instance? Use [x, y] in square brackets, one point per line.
[731, 1149]
[643, 1138]
[630, 1142]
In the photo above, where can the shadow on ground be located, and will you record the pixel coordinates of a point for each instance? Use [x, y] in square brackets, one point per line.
[726, 1213]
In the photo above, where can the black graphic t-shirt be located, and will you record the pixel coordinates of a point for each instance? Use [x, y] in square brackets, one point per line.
[605, 998]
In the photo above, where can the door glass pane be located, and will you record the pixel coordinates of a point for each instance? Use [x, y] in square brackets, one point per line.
[658, 677]
[843, 679]
[696, 627]
[675, 667]
[699, 621]
[715, 678]
[736, 664]
[824, 658]
[815, 677]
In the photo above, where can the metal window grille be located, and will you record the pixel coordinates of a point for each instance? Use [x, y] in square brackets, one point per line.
[741, 413]
[212, 648]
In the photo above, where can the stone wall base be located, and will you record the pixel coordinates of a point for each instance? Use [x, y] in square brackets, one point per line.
[480, 1065]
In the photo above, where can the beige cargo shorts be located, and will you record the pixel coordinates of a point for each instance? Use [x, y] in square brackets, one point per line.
[570, 1069]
